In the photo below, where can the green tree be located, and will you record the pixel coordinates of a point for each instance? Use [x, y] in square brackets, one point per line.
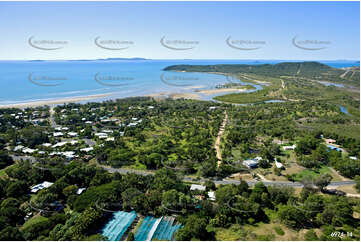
[10, 210]
[194, 229]
[70, 190]
[210, 186]
[11, 234]
[323, 181]
[291, 216]
[310, 235]
[17, 189]
[5, 159]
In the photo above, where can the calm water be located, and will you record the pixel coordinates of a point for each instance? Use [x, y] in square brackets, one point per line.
[344, 110]
[22, 81]
[331, 84]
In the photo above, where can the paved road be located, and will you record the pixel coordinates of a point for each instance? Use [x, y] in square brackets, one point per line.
[51, 119]
[188, 179]
[18, 158]
[224, 181]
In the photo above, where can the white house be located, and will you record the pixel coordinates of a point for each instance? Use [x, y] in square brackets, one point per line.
[19, 147]
[292, 147]
[132, 124]
[58, 134]
[40, 186]
[195, 187]
[73, 134]
[73, 142]
[69, 154]
[28, 150]
[87, 149]
[55, 153]
[46, 144]
[60, 144]
[100, 134]
[211, 196]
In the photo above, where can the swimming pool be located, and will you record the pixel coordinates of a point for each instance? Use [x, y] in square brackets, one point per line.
[334, 148]
[115, 228]
[343, 110]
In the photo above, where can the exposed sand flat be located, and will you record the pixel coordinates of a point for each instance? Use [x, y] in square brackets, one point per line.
[174, 95]
[193, 87]
[261, 82]
[55, 101]
[220, 90]
[184, 95]
[160, 94]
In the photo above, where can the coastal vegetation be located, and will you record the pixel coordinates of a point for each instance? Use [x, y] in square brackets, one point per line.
[161, 158]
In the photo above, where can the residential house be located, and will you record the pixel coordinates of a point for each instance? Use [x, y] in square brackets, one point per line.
[290, 147]
[36, 188]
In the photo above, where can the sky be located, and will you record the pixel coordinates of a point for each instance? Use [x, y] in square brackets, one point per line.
[190, 30]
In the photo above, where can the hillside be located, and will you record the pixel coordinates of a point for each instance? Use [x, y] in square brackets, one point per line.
[313, 70]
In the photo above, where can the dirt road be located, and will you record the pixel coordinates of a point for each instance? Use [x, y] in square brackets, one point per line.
[219, 136]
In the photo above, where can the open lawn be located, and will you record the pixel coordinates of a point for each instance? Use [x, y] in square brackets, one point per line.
[314, 173]
[260, 231]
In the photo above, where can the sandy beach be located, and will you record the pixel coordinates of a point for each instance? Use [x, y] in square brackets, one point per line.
[55, 101]
[220, 90]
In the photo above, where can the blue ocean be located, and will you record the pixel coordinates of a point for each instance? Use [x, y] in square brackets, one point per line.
[26, 81]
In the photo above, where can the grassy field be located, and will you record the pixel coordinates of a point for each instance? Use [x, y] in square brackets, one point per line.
[260, 231]
[314, 173]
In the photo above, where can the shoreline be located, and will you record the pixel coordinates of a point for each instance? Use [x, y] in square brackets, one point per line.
[54, 101]
[222, 90]
[32, 104]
